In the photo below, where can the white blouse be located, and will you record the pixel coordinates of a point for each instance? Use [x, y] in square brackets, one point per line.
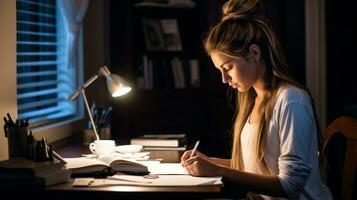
[291, 150]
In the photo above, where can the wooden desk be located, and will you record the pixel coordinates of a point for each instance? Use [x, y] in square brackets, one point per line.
[136, 192]
[66, 190]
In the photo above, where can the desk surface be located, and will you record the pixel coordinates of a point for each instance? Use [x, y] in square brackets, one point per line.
[139, 192]
[66, 190]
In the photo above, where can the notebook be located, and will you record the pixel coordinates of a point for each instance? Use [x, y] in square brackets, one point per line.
[160, 140]
[23, 166]
[105, 165]
[21, 172]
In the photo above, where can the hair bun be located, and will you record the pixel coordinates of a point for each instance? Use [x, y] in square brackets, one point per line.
[241, 9]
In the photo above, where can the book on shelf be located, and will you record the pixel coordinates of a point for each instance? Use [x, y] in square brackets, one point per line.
[182, 3]
[168, 3]
[178, 71]
[168, 73]
[104, 165]
[160, 140]
[194, 72]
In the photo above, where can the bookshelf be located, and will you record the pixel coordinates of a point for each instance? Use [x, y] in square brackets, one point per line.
[176, 88]
[168, 48]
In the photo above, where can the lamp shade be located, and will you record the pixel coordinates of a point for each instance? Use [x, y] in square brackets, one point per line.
[117, 86]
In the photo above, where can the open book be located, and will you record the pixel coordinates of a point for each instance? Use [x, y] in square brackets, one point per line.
[105, 165]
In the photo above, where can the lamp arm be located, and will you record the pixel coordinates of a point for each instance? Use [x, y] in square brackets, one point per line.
[89, 113]
[90, 80]
[85, 85]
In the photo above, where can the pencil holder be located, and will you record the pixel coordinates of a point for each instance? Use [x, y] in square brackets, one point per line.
[104, 133]
[17, 141]
[88, 136]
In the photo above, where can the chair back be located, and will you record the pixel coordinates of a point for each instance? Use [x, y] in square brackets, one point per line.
[340, 149]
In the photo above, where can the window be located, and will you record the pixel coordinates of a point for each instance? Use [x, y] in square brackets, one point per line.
[44, 81]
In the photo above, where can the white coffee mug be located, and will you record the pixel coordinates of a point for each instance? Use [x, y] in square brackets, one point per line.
[102, 147]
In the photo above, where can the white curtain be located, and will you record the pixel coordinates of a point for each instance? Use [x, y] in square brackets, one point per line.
[73, 12]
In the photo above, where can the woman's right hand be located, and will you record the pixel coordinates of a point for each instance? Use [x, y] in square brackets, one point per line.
[186, 155]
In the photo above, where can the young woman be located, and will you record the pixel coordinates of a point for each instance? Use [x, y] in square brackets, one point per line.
[275, 143]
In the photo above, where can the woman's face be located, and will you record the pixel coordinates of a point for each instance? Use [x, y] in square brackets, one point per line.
[239, 72]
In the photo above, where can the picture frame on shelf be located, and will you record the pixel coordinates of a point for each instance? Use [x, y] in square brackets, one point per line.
[153, 34]
[162, 34]
[171, 35]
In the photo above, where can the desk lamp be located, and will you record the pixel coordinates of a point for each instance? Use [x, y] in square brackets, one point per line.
[116, 85]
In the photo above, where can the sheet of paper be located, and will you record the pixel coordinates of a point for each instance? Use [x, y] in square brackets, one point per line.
[82, 182]
[166, 168]
[162, 180]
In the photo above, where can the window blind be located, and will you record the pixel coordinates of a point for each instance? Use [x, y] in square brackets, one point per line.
[43, 80]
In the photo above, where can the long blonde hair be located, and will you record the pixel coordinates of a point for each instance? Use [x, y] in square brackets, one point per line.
[242, 25]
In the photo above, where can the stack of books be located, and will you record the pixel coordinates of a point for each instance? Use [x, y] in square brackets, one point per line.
[19, 171]
[161, 141]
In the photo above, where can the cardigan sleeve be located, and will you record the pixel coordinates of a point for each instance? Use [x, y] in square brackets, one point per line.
[297, 133]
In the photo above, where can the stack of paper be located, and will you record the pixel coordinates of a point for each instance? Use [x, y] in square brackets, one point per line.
[162, 180]
[165, 168]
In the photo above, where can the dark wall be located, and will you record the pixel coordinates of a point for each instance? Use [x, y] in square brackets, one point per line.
[341, 66]
[288, 21]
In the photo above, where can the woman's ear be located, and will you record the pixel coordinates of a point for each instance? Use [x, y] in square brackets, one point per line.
[254, 53]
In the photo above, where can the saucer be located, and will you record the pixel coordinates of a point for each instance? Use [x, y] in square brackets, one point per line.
[90, 155]
[133, 155]
[131, 148]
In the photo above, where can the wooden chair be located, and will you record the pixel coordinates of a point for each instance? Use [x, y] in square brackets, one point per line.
[340, 149]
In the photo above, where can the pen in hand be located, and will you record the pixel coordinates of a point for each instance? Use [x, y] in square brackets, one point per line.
[193, 152]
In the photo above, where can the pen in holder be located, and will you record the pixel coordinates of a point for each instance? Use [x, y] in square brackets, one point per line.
[102, 128]
[89, 137]
[104, 133]
[21, 142]
[17, 136]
